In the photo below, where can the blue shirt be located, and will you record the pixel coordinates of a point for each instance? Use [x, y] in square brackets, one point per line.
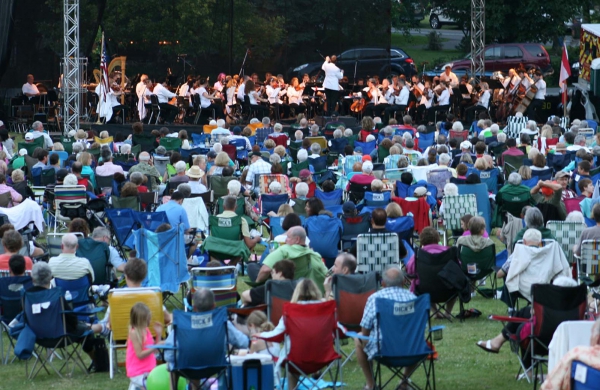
[175, 213]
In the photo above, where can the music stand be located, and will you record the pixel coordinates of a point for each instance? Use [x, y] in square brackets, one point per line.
[494, 84]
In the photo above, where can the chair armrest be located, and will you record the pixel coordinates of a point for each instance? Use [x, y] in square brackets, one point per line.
[277, 339]
[509, 319]
[169, 347]
[436, 328]
[84, 312]
[359, 336]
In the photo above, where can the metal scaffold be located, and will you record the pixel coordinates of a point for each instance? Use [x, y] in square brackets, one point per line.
[477, 39]
[71, 66]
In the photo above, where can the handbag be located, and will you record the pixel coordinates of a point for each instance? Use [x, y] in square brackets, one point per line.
[25, 343]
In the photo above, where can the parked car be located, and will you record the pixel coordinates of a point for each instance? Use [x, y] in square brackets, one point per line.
[439, 18]
[367, 61]
[504, 56]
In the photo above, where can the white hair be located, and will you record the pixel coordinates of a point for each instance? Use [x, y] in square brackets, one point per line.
[494, 128]
[519, 115]
[303, 122]
[450, 189]
[338, 133]
[302, 155]
[575, 216]
[70, 180]
[407, 135]
[367, 167]
[125, 148]
[515, 179]
[212, 122]
[348, 133]
[457, 126]
[370, 138]
[224, 141]
[564, 281]
[444, 158]
[278, 127]
[315, 148]
[377, 120]
[388, 130]
[234, 187]
[531, 125]
[275, 187]
[218, 148]
[532, 236]
[314, 129]
[298, 134]
[180, 166]
[266, 121]
[275, 158]
[301, 189]
[221, 123]
[254, 120]
[501, 137]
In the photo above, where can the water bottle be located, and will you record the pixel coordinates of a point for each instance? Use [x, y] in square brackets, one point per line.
[68, 296]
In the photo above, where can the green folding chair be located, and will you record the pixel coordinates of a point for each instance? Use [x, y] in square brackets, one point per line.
[171, 143]
[478, 265]
[227, 228]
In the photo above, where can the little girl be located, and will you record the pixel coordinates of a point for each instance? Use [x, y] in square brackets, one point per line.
[257, 322]
[464, 225]
[139, 360]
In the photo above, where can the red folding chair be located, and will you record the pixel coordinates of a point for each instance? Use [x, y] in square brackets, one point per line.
[231, 151]
[278, 293]
[279, 140]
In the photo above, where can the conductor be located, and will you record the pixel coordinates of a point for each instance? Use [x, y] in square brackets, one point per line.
[331, 83]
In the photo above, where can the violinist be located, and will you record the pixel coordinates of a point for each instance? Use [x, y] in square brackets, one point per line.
[426, 100]
[294, 94]
[466, 100]
[241, 87]
[274, 93]
[230, 94]
[400, 101]
[250, 91]
[184, 89]
[144, 104]
[111, 96]
[164, 95]
[206, 99]
[220, 84]
[443, 97]
[331, 83]
[482, 102]
[373, 96]
[141, 86]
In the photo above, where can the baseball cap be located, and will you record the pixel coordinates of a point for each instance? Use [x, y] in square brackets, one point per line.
[366, 157]
[257, 154]
[237, 130]
[304, 174]
[61, 174]
[348, 207]
[560, 174]
[420, 191]
[358, 149]
[465, 145]
[29, 136]
[22, 152]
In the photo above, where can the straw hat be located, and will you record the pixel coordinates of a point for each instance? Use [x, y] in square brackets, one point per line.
[195, 172]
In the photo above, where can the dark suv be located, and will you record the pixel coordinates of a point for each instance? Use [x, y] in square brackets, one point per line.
[368, 61]
[504, 56]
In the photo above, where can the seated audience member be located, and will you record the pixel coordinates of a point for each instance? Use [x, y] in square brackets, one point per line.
[531, 237]
[464, 225]
[79, 225]
[392, 282]
[67, 266]
[229, 206]
[16, 197]
[20, 185]
[461, 174]
[176, 214]
[282, 270]
[475, 239]
[586, 188]
[129, 190]
[138, 179]
[345, 264]
[236, 190]
[102, 234]
[257, 322]
[108, 168]
[550, 192]
[364, 178]
[534, 220]
[305, 176]
[590, 233]
[12, 242]
[195, 174]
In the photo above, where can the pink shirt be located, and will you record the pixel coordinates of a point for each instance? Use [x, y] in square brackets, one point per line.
[137, 366]
[16, 197]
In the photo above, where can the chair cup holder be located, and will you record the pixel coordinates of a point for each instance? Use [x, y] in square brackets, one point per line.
[437, 334]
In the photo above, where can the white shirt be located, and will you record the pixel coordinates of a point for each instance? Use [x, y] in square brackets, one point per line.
[294, 97]
[30, 88]
[108, 168]
[111, 98]
[197, 187]
[218, 86]
[444, 98]
[375, 93]
[139, 89]
[427, 97]
[541, 92]
[402, 99]
[163, 93]
[48, 141]
[273, 94]
[184, 89]
[240, 92]
[204, 102]
[484, 99]
[332, 75]
[252, 96]
[451, 78]
[231, 96]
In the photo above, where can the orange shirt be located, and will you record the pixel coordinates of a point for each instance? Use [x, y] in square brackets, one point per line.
[4, 262]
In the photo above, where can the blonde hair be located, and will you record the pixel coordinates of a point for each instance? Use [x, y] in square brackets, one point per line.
[284, 210]
[306, 290]
[222, 159]
[58, 147]
[394, 210]
[480, 164]
[259, 319]
[85, 159]
[525, 172]
[139, 320]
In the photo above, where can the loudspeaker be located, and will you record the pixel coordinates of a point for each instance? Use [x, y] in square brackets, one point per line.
[349, 121]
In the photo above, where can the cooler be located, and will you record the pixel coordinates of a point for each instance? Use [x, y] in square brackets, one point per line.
[252, 372]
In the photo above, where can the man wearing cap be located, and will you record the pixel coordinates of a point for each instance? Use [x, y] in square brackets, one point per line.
[146, 167]
[306, 177]
[562, 178]
[108, 168]
[548, 191]
[195, 174]
[176, 214]
[258, 166]
[449, 77]
[38, 131]
[349, 209]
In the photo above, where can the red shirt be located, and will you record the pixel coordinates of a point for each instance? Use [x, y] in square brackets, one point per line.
[4, 262]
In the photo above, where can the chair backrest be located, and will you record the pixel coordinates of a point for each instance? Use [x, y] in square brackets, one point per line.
[590, 257]
[231, 151]
[483, 203]
[104, 181]
[375, 251]
[349, 162]
[367, 147]
[377, 199]
[209, 327]
[122, 300]
[338, 144]
[69, 195]
[319, 164]
[48, 176]
[79, 289]
[145, 140]
[160, 163]
[428, 269]
[439, 178]
[98, 254]
[311, 331]
[47, 319]
[351, 293]
[325, 233]
[567, 235]
[129, 202]
[150, 221]
[239, 207]
[296, 168]
[583, 376]
[457, 206]
[218, 184]
[488, 177]
[410, 316]
[226, 228]
[356, 192]
[424, 140]
[542, 174]
[402, 226]
[299, 207]
[512, 163]
[171, 143]
[333, 198]
[10, 295]
[121, 222]
[264, 180]
[352, 226]
[322, 141]
[459, 135]
[277, 293]
[485, 260]
[271, 202]
[221, 281]
[62, 156]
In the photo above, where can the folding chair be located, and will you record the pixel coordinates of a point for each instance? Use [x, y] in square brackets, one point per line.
[313, 340]
[541, 174]
[48, 176]
[483, 203]
[488, 177]
[551, 305]
[356, 192]
[484, 261]
[225, 240]
[324, 233]
[46, 316]
[375, 251]
[512, 164]
[129, 202]
[589, 260]
[353, 226]
[584, 377]
[459, 135]
[439, 178]
[299, 207]
[425, 140]
[120, 302]
[148, 200]
[11, 288]
[98, 254]
[271, 202]
[428, 267]
[373, 200]
[408, 349]
[80, 289]
[455, 207]
[221, 281]
[121, 223]
[218, 184]
[160, 162]
[265, 180]
[208, 329]
[277, 293]
[333, 198]
[351, 293]
[275, 225]
[403, 227]
[567, 235]
[104, 182]
[367, 147]
[69, 197]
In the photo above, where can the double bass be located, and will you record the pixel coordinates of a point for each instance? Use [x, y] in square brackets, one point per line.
[360, 104]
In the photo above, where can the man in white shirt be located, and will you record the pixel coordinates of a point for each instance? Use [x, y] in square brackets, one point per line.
[540, 96]
[398, 103]
[67, 266]
[481, 105]
[237, 134]
[274, 94]
[443, 101]
[30, 90]
[220, 132]
[331, 83]
[449, 77]
[257, 166]
[167, 111]
[38, 131]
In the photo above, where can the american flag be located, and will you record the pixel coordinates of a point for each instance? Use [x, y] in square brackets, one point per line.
[104, 68]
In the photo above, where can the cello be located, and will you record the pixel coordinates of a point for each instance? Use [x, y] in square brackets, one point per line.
[359, 105]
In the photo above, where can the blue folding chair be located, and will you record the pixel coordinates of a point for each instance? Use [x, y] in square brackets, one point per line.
[333, 198]
[45, 315]
[338, 144]
[530, 182]
[593, 124]
[275, 225]
[352, 226]
[426, 140]
[377, 199]
[36, 176]
[411, 348]
[318, 164]
[191, 330]
[584, 377]
[271, 202]
[11, 288]
[541, 174]
[325, 233]
[186, 154]
[402, 189]
[403, 227]
[489, 178]
[199, 139]
[150, 221]
[125, 165]
[122, 223]
[367, 147]
[62, 156]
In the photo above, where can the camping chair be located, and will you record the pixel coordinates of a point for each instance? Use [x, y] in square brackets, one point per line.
[352, 226]
[333, 198]
[67, 144]
[218, 184]
[351, 293]
[120, 302]
[373, 200]
[221, 281]
[299, 207]
[313, 340]
[478, 265]
[356, 192]
[148, 200]
[160, 162]
[349, 162]
[325, 233]
[459, 135]
[367, 147]
[376, 251]
[208, 329]
[171, 143]
[82, 301]
[589, 260]
[439, 178]
[454, 208]
[265, 180]
[121, 223]
[98, 253]
[145, 140]
[483, 202]
[409, 348]
[45, 315]
[11, 288]
[275, 225]
[68, 199]
[296, 168]
[512, 164]
[225, 240]
[271, 202]
[428, 267]
[488, 177]
[48, 176]
[551, 306]
[322, 141]
[38, 142]
[567, 235]
[581, 374]
[424, 140]
[277, 293]
[403, 227]
[541, 174]
[104, 182]
[129, 202]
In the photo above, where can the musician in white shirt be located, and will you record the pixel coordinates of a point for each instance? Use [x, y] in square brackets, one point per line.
[331, 83]
[426, 100]
[31, 90]
[398, 102]
[241, 88]
[443, 95]
[294, 94]
[261, 110]
[511, 82]
[167, 111]
[372, 107]
[141, 86]
[274, 93]
[207, 100]
[482, 103]
[449, 77]
[220, 84]
[540, 96]
[113, 92]
[142, 89]
[526, 81]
